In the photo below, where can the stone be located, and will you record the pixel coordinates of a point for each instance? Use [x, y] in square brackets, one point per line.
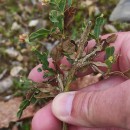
[12, 52]
[121, 12]
[15, 26]
[5, 84]
[110, 28]
[33, 23]
[15, 71]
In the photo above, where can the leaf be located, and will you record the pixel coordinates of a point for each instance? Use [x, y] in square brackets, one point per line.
[99, 64]
[62, 5]
[92, 36]
[41, 33]
[19, 113]
[57, 18]
[69, 3]
[54, 16]
[97, 29]
[43, 59]
[69, 16]
[8, 112]
[48, 74]
[109, 51]
[24, 104]
[112, 38]
[110, 58]
[39, 69]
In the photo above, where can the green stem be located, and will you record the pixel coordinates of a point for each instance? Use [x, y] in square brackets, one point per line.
[65, 126]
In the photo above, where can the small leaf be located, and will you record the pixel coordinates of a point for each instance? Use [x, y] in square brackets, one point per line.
[24, 104]
[41, 33]
[54, 16]
[48, 74]
[69, 3]
[39, 69]
[69, 16]
[43, 58]
[92, 36]
[109, 51]
[57, 18]
[112, 38]
[110, 58]
[19, 113]
[62, 5]
[97, 29]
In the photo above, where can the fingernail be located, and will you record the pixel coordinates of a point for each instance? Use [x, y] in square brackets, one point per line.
[62, 105]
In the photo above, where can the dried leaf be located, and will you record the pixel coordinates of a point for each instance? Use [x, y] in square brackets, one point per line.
[59, 50]
[44, 95]
[99, 64]
[127, 73]
[112, 38]
[8, 112]
[69, 16]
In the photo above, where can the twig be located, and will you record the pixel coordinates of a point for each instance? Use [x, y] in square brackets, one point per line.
[83, 40]
[60, 83]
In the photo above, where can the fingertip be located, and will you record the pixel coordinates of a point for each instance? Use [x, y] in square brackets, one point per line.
[36, 76]
[45, 120]
[64, 61]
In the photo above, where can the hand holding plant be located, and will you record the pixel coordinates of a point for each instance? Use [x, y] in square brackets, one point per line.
[57, 77]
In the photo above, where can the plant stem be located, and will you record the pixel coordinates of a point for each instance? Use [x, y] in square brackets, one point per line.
[83, 40]
[65, 126]
[70, 78]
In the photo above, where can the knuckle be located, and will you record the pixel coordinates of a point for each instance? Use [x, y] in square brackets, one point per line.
[84, 105]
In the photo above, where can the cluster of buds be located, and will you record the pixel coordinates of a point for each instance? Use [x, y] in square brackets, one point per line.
[44, 2]
[22, 38]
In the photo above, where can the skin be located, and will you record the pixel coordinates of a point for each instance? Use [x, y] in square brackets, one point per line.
[101, 106]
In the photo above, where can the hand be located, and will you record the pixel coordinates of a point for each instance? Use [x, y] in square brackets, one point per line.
[99, 106]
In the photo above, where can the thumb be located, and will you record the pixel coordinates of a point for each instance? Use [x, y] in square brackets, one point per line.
[104, 108]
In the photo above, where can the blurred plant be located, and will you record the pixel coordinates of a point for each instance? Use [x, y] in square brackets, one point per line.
[59, 78]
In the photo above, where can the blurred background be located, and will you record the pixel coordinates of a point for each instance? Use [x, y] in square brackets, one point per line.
[16, 58]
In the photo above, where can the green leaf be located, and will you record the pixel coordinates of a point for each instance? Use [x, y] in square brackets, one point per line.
[97, 29]
[48, 74]
[57, 18]
[19, 113]
[33, 100]
[110, 58]
[43, 58]
[62, 5]
[39, 69]
[41, 33]
[60, 25]
[109, 51]
[55, 1]
[92, 36]
[24, 104]
[69, 3]
[54, 16]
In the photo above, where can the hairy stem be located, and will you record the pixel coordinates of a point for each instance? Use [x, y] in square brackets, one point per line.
[83, 40]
